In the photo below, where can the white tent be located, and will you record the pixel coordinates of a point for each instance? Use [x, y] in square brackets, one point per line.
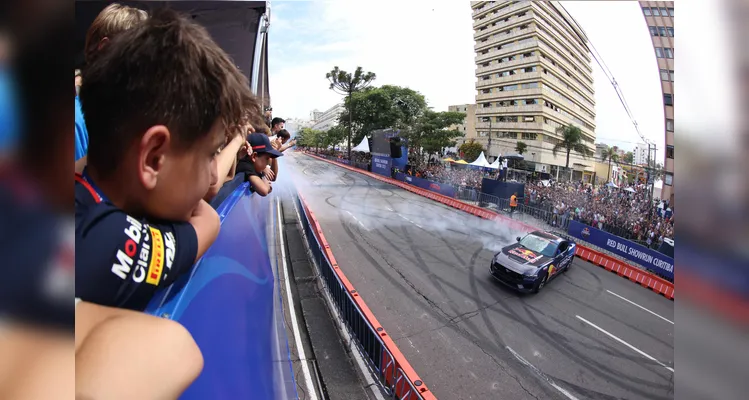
[363, 146]
[481, 161]
[496, 164]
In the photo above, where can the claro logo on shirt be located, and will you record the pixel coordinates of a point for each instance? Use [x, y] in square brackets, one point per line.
[124, 262]
[156, 266]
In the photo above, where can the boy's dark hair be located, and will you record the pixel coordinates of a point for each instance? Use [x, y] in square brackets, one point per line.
[277, 121]
[283, 134]
[165, 71]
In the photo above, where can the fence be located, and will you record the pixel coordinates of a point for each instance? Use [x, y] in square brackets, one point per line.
[392, 371]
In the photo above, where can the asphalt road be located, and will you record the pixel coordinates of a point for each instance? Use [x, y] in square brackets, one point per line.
[423, 269]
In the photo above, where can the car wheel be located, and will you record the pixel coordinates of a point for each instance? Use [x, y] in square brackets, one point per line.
[541, 284]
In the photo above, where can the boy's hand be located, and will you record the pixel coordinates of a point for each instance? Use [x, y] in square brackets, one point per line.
[269, 174]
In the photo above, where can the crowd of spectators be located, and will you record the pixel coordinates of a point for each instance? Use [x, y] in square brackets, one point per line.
[627, 212]
[157, 148]
[461, 176]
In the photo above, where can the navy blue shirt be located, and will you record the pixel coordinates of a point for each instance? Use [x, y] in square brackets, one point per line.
[121, 261]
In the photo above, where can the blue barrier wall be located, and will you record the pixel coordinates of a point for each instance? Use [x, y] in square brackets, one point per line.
[651, 259]
[231, 305]
[382, 165]
[441, 188]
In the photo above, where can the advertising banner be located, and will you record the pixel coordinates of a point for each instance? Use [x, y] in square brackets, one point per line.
[651, 259]
[441, 188]
[382, 165]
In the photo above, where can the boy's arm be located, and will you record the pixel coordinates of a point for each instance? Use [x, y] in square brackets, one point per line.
[121, 260]
[260, 186]
[225, 160]
[206, 223]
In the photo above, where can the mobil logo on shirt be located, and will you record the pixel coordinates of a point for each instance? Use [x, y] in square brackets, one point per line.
[156, 250]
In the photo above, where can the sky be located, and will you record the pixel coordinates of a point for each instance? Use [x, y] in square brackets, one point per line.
[428, 46]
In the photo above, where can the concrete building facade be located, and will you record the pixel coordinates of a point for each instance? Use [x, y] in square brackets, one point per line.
[468, 127]
[659, 17]
[534, 75]
[328, 118]
[640, 154]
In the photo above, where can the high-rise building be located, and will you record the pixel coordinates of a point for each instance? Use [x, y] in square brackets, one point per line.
[468, 127]
[640, 154]
[534, 75]
[328, 118]
[659, 16]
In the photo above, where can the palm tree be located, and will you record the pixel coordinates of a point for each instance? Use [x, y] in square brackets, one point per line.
[611, 154]
[572, 139]
[521, 147]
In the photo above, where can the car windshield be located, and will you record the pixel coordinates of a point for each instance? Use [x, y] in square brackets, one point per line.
[539, 245]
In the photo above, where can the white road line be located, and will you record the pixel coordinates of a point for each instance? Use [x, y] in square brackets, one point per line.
[541, 374]
[639, 306]
[292, 311]
[389, 209]
[357, 220]
[407, 219]
[642, 353]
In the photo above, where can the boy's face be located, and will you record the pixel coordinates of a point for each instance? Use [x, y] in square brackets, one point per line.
[185, 177]
[260, 161]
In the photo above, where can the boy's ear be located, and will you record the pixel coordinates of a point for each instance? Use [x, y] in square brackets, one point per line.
[153, 147]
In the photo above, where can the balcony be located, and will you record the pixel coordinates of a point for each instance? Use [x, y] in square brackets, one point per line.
[510, 94]
[505, 80]
[512, 21]
[502, 37]
[489, 9]
[536, 109]
[496, 67]
[493, 53]
[511, 126]
[562, 84]
[583, 71]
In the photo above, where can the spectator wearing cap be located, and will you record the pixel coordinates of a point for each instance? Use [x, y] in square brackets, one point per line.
[255, 165]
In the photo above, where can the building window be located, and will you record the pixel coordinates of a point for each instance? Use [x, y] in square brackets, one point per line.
[664, 75]
[529, 136]
[669, 179]
[646, 10]
[662, 31]
[670, 31]
[530, 101]
[653, 31]
[486, 105]
[655, 11]
[529, 85]
[486, 91]
[668, 99]
[670, 125]
[659, 52]
[664, 12]
[672, 75]
[522, 14]
[670, 152]
[529, 69]
[669, 52]
[529, 119]
[671, 12]
[485, 77]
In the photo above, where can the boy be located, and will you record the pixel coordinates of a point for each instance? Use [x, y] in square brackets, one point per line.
[254, 165]
[159, 104]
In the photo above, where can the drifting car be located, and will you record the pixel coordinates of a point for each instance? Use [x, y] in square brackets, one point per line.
[533, 261]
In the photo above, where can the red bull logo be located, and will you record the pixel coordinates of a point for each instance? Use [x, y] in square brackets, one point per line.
[434, 186]
[525, 254]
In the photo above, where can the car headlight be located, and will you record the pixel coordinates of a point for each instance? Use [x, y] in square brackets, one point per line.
[531, 275]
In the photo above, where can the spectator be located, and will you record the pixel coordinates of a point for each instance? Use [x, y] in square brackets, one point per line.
[282, 141]
[258, 161]
[140, 218]
[513, 202]
[111, 21]
[276, 125]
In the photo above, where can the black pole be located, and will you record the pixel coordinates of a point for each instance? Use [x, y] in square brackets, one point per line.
[350, 122]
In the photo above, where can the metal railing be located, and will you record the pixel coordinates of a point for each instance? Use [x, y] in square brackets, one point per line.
[367, 338]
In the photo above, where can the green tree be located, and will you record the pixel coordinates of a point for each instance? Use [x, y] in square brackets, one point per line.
[610, 154]
[430, 133]
[345, 83]
[383, 107]
[471, 150]
[311, 138]
[521, 147]
[334, 135]
[572, 139]
[629, 158]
